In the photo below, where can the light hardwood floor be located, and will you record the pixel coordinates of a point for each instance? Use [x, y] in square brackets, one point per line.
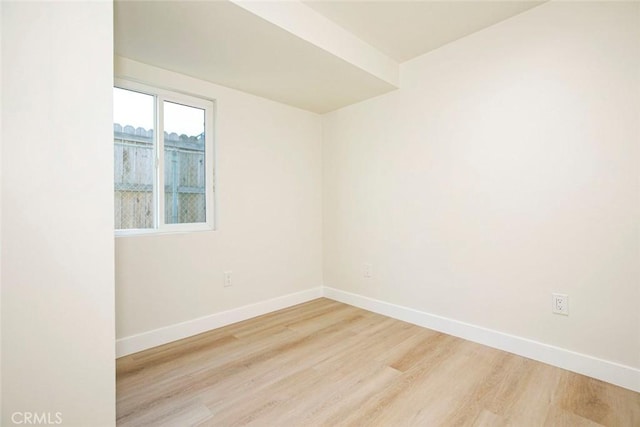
[324, 363]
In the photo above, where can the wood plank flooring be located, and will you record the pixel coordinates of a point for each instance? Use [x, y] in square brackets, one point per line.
[324, 363]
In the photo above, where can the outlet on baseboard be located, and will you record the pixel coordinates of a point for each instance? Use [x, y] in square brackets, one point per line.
[560, 304]
[227, 278]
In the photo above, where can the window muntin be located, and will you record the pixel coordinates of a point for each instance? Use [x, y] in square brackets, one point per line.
[163, 161]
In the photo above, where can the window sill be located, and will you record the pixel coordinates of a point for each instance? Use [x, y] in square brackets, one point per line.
[161, 232]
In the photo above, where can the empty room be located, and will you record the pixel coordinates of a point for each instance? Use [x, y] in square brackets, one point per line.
[320, 213]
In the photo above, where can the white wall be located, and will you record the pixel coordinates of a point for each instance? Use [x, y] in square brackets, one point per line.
[504, 169]
[57, 222]
[269, 216]
[1, 136]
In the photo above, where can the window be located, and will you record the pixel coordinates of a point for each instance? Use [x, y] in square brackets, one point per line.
[163, 168]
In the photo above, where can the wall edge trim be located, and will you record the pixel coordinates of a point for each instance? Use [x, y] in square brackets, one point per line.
[615, 373]
[153, 338]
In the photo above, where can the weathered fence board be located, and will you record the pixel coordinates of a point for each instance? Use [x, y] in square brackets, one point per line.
[134, 175]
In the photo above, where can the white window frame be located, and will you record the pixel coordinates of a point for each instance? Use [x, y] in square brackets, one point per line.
[208, 105]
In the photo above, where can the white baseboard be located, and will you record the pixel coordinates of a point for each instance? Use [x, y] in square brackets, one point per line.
[611, 372]
[156, 337]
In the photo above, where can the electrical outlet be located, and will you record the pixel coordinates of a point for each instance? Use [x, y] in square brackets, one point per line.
[366, 270]
[560, 304]
[227, 278]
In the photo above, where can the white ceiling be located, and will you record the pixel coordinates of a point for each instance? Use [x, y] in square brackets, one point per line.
[317, 55]
[406, 29]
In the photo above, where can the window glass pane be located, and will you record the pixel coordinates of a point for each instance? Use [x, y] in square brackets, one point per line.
[184, 161]
[133, 116]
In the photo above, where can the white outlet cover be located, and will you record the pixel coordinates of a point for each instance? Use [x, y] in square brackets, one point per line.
[560, 304]
[227, 278]
[367, 270]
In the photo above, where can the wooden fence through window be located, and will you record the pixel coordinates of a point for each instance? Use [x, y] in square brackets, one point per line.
[134, 176]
